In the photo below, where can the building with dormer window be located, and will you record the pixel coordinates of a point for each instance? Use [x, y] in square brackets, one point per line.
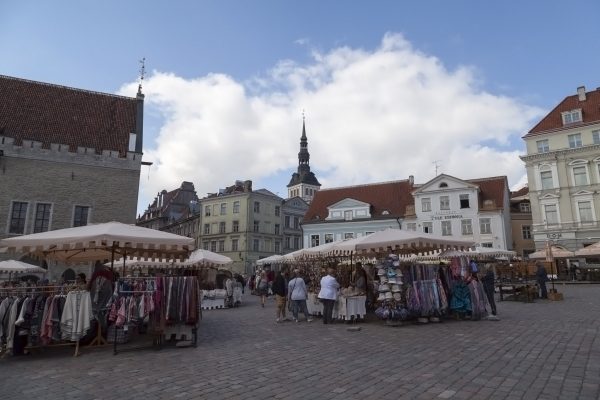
[563, 170]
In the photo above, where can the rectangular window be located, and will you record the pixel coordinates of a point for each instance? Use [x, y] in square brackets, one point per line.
[207, 229]
[215, 209]
[426, 204]
[348, 215]
[489, 245]
[444, 202]
[571, 117]
[277, 211]
[221, 245]
[81, 216]
[328, 237]
[256, 245]
[580, 175]
[236, 207]
[213, 246]
[42, 217]
[234, 245]
[206, 245]
[485, 226]
[223, 208]
[277, 229]
[575, 140]
[235, 226]
[277, 247]
[296, 223]
[368, 233]
[543, 146]
[585, 211]
[221, 227]
[286, 222]
[411, 226]
[596, 136]
[525, 207]
[526, 231]
[256, 207]
[17, 218]
[464, 201]
[296, 243]
[446, 228]
[348, 235]
[551, 214]
[428, 227]
[314, 240]
[207, 211]
[546, 177]
[286, 242]
[267, 246]
[256, 226]
[466, 227]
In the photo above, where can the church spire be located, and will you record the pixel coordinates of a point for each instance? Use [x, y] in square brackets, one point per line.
[304, 183]
[303, 155]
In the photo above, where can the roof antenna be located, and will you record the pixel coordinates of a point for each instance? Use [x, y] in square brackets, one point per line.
[142, 73]
[437, 165]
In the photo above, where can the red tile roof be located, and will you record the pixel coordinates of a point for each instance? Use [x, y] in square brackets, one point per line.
[493, 188]
[590, 110]
[390, 196]
[521, 192]
[57, 114]
[395, 196]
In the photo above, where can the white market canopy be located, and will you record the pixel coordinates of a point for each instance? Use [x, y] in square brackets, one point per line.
[589, 251]
[295, 255]
[554, 251]
[396, 240]
[274, 259]
[19, 267]
[480, 253]
[205, 257]
[100, 241]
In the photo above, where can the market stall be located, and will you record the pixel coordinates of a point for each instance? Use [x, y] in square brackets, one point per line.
[93, 243]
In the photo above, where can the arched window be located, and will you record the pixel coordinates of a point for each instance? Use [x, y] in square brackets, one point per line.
[443, 185]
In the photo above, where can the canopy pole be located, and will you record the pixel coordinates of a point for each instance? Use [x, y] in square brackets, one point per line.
[112, 260]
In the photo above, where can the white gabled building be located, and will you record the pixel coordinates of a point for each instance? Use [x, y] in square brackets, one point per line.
[475, 209]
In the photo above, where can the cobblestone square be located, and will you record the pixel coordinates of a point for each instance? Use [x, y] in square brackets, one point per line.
[540, 350]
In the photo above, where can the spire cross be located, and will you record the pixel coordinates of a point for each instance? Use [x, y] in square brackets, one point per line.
[142, 72]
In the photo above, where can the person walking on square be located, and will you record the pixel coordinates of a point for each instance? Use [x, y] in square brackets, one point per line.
[328, 294]
[542, 277]
[488, 286]
[298, 295]
[262, 286]
[280, 290]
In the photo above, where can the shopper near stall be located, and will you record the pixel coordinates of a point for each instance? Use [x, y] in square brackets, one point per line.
[298, 295]
[262, 286]
[328, 294]
[280, 290]
[542, 277]
[488, 286]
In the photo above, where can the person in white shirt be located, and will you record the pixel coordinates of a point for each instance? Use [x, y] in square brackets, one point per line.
[297, 295]
[328, 294]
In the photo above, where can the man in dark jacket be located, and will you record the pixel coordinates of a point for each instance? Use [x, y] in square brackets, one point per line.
[279, 288]
[488, 287]
[542, 277]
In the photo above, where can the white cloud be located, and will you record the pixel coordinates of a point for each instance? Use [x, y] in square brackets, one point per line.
[371, 116]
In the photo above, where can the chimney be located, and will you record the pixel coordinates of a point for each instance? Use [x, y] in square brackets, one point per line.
[581, 93]
[411, 180]
[247, 186]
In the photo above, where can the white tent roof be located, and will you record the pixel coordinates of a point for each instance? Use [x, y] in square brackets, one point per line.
[19, 267]
[589, 251]
[477, 253]
[408, 242]
[205, 257]
[96, 242]
[295, 255]
[270, 260]
[556, 251]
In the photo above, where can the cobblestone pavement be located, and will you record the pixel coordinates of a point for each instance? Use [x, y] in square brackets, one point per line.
[541, 350]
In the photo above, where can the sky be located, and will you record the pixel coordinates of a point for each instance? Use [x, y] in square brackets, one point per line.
[388, 89]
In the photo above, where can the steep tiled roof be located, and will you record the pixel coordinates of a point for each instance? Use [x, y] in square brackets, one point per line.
[521, 192]
[590, 111]
[493, 189]
[387, 196]
[57, 114]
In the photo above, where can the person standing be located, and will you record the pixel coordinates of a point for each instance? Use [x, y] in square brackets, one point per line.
[298, 295]
[488, 286]
[280, 290]
[542, 277]
[328, 294]
[262, 286]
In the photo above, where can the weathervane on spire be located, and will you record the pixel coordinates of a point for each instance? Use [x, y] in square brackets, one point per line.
[142, 73]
